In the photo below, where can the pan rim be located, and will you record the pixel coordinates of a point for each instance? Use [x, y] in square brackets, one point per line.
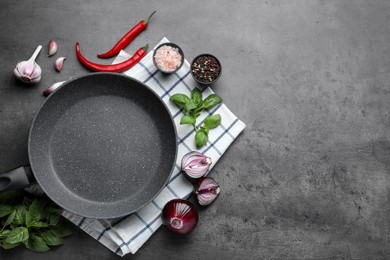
[57, 200]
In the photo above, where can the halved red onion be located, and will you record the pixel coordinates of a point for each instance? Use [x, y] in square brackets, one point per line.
[206, 190]
[180, 216]
[195, 164]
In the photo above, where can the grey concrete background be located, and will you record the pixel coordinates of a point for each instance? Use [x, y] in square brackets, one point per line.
[309, 176]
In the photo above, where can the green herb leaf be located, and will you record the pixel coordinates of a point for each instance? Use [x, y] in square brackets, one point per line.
[7, 245]
[211, 101]
[4, 233]
[35, 211]
[5, 210]
[17, 235]
[179, 100]
[187, 120]
[51, 238]
[190, 105]
[10, 218]
[9, 197]
[201, 138]
[19, 215]
[36, 243]
[196, 96]
[212, 121]
[63, 230]
[53, 220]
[38, 224]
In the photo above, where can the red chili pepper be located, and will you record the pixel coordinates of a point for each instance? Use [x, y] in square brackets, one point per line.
[127, 38]
[119, 67]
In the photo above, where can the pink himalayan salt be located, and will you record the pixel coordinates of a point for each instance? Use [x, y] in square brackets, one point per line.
[167, 58]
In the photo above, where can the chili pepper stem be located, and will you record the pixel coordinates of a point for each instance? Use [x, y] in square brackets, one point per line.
[146, 47]
[150, 16]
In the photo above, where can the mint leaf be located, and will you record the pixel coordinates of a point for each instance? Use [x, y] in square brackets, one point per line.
[187, 120]
[38, 224]
[17, 235]
[5, 210]
[201, 138]
[196, 96]
[179, 100]
[211, 101]
[51, 238]
[212, 121]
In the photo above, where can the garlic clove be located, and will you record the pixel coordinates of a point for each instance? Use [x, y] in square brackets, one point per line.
[195, 164]
[206, 191]
[52, 48]
[59, 63]
[29, 71]
[53, 87]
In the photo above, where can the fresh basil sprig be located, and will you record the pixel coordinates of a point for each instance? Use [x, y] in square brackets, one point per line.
[34, 222]
[193, 107]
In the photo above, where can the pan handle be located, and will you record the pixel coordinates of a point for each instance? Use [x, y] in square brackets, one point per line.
[18, 178]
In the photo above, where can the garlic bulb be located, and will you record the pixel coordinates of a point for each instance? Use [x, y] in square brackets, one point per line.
[29, 71]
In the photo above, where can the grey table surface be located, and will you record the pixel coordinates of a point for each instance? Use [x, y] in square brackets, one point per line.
[308, 178]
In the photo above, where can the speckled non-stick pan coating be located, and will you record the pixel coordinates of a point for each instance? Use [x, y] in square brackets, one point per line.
[103, 145]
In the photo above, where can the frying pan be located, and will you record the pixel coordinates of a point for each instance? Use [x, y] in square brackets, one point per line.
[101, 146]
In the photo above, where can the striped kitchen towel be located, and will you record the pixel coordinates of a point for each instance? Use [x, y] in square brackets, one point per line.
[128, 234]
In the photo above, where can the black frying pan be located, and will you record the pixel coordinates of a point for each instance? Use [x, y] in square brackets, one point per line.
[101, 146]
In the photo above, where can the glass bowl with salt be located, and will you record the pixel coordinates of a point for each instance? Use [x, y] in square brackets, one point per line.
[168, 57]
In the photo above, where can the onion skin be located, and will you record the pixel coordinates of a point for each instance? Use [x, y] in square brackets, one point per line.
[180, 216]
[206, 191]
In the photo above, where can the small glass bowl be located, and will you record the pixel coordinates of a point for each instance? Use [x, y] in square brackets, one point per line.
[203, 76]
[173, 46]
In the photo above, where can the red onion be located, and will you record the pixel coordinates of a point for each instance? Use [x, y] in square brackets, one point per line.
[180, 216]
[206, 190]
[195, 164]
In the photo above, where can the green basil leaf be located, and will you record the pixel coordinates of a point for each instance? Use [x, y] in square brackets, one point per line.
[51, 238]
[53, 220]
[179, 100]
[34, 211]
[5, 210]
[9, 197]
[212, 121]
[19, 215]
[4, 233]
[38, 224]
[7, 245]
[17, 235]
[36, 243]
[211, 101]
[201, 138]
[187, 120]
[26, 202]
[10, 218]
[190, 105]
[196, 96]
[52, 210]
[63, 230]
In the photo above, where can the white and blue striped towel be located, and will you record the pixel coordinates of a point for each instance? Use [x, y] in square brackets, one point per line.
[128, 234]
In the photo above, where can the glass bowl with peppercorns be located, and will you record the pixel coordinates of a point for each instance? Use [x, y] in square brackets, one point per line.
[206, 69]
